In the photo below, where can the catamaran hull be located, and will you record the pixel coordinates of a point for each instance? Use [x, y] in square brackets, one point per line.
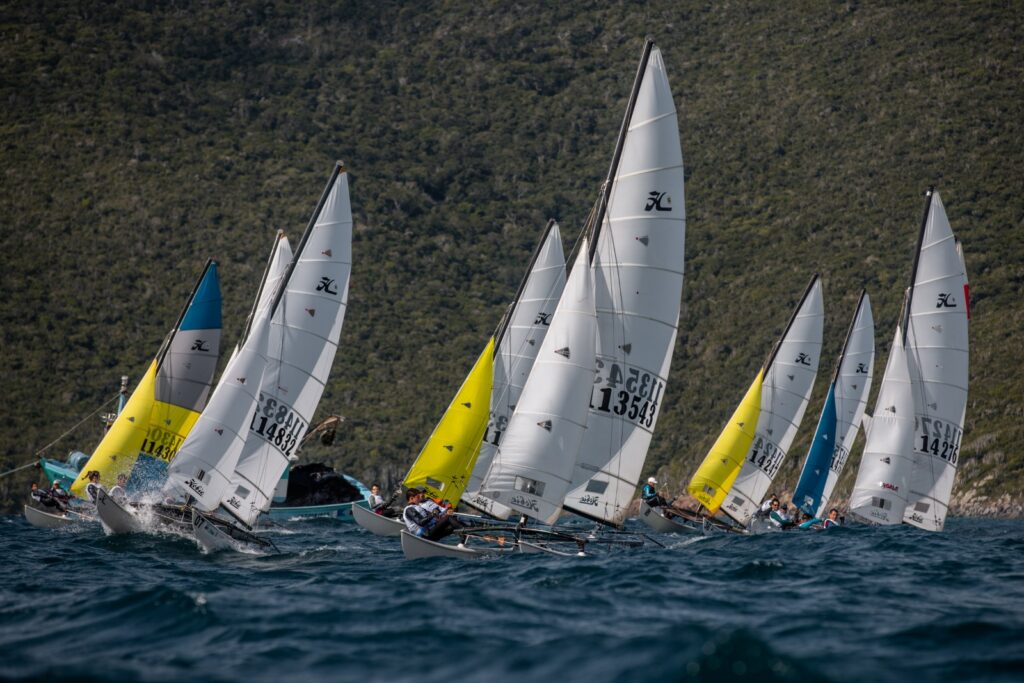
[114, 518]
[416, 548]
[46, 520]
[377, 524]
[657, 520]
[213, 537]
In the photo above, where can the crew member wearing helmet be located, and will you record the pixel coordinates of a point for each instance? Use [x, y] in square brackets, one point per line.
[651, 495]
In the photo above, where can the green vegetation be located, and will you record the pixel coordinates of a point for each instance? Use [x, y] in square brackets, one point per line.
[140, 138]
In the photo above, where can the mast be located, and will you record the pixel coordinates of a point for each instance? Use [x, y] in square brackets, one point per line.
[165, 347]
[259, 292]
[339, 167]
[905, 318]
[849, 333]
[610, 179]
[499, 332]
[792, 319]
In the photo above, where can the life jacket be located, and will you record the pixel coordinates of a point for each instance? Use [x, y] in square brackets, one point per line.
[648, 492]
[417, 520]
[828, 524]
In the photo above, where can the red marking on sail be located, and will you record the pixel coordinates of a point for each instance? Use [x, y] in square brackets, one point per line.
[967, 299]
[327, 253]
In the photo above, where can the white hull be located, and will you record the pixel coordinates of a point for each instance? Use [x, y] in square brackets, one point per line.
[657, 520]
[213, 537]
[114, 518]
[416, 548]
[377, 524]
[46, 520]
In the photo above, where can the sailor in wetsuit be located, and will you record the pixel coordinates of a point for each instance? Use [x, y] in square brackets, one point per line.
[375, 501]
[423, 522]
[651, 495]
[833, 519]
[58, 497]
[92, 489]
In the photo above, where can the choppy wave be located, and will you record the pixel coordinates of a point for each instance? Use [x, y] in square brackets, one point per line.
[853, 604]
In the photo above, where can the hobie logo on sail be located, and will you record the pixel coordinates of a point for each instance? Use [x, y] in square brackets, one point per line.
[200, 345]
[195, 486]
[524, 502]
[234, 502]
[803, 359]
[946, 300]
[327, 285]
[891, 487]
[543, 319]
[862, 369]
[589, 500]
[658, 201]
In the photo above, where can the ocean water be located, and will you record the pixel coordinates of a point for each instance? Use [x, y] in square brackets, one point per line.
[338, 604]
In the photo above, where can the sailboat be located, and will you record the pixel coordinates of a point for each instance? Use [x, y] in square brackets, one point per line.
[915, 485]
[841, 415]
[267, 395]
[881, 491]
[118, 517]
[585, 458]
[743, 461]
[531, 473]
[474, 423]
[936, 331]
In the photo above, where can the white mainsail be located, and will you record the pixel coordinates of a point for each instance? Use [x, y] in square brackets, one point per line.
[306, 326]
[638, 279]
[531, 471]
[205, 464]
[785, 391]
[519, 343]
[280, 256]
[880, 492]
[936, 341]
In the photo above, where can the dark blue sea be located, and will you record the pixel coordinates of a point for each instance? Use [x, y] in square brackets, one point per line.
[853, 604]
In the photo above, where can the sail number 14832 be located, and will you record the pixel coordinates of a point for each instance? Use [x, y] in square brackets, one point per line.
[278, 424]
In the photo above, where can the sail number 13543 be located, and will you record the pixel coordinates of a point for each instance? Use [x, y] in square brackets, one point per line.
[633, 394]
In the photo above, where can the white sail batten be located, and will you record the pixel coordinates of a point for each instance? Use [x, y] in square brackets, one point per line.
[304, 334]
[852, 386]
[785, 392]
[531, 471]
[880, 493]
[205, 464]
[937, 349]
[524, 333]
[638, 280]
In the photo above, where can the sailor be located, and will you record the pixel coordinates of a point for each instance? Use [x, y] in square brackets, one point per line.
[778, 517]
[118, 492]
[833, 519]
[421, 521]
[92, 489]
[376, 501]
[651, 495]
[36, 493]
[766, 507]
[58, 496]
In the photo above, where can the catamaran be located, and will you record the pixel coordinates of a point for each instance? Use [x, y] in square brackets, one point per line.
[467, 436]
[743, 461]
[841, 415]
[579, 434]
[934, 338]
[267, 395]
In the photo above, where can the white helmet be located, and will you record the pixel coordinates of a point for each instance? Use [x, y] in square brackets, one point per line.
[652, 480]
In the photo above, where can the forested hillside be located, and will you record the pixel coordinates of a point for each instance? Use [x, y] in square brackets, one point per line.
[138, 139]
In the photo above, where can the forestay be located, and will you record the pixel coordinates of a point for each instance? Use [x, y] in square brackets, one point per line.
[880, 492]
[306, 320]
[521, 337]
[531, 471]
[168, 399]
[787, 386]
[638, 279]
[936, 341]
[841, 417]
[444, 465]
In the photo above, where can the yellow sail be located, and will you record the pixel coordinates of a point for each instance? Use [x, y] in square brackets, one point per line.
[446, 461]
[716, 475]
[117, 452]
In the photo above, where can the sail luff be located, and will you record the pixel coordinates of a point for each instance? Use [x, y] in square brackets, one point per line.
[905, 322]
[210, 263]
